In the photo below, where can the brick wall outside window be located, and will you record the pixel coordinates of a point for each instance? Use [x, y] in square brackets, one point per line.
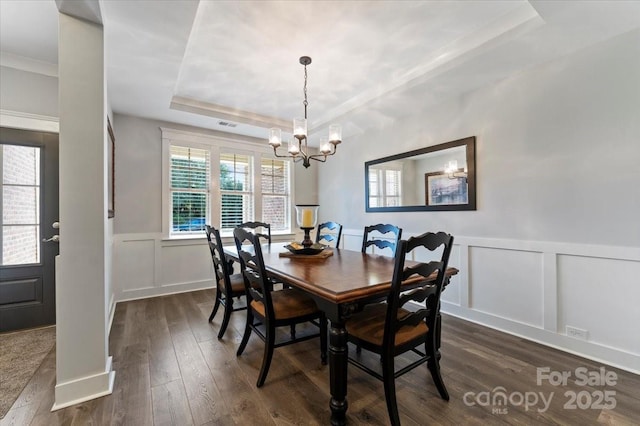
[20, 204]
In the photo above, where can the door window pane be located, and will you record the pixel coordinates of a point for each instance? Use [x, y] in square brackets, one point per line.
[20, 218]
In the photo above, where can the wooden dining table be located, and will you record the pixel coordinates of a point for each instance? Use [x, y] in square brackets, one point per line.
[340, 285]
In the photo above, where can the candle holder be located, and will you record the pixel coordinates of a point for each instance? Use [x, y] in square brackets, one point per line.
[307, 217]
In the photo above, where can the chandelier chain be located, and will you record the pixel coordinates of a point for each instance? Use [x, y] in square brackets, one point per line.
[305, 103]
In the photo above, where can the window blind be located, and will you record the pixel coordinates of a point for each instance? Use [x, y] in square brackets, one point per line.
[190, 188]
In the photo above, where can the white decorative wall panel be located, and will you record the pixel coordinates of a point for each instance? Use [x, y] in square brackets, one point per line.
[185, 264]
[452, 293]
[134, 264]
[507, 283]
[145, 265]
[601, 296]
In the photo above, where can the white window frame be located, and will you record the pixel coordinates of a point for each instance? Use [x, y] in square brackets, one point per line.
[270, 156]
[382, 183]
[215, 145]
[217, 208]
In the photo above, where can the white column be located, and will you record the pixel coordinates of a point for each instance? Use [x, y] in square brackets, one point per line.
[83, 369]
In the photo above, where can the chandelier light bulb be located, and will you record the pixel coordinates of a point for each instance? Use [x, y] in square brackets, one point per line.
[275, 137]
[335, 134]
[293, 149]
[300, 128]
[325, 148]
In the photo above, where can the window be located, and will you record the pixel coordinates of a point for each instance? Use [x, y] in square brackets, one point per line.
[275, 194]
[236, 191]
[190, 191]
[209, 180]
[385, 187]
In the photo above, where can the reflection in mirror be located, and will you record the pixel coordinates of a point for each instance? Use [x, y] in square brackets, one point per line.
[440, 177]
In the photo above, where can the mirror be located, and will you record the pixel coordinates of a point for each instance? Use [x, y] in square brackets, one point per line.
[435, 178]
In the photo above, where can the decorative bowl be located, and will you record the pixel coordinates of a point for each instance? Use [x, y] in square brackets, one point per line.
[299, 249]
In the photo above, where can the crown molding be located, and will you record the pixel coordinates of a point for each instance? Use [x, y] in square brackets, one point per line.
[182, 103]
[11, 60]
[27, 121]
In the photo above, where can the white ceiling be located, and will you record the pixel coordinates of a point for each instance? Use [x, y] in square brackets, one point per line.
[200, 63]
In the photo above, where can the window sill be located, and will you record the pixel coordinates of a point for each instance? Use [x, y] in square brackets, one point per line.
[225, 238]
[184, 240]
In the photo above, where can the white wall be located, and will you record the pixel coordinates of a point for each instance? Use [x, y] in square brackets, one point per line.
[556, 236]
[83, 367]
[145, 264]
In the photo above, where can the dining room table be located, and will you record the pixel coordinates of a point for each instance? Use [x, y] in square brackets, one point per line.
[341, 284]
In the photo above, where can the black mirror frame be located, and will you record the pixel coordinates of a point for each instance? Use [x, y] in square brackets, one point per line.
[469, 143]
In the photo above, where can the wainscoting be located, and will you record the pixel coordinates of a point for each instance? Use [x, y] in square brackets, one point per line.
[146, 265]
[532, 289]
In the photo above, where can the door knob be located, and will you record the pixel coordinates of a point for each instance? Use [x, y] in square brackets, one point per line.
[55, 225]
[54, 239]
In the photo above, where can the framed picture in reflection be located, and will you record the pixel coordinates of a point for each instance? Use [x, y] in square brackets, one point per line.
[442, 189]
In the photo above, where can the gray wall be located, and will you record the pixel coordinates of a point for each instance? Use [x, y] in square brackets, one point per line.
[28, 92]
[557, 155]
[138, 172]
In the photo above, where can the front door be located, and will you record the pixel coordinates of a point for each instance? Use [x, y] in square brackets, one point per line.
[28, 209]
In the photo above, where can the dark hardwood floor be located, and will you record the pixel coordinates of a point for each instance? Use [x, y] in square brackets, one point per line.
[171, 369]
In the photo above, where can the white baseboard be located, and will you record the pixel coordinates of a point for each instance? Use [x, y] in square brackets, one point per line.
[165, 290]
[85, 388]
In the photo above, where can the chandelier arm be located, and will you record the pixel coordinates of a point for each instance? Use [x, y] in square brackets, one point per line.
[296, 158]
[321, 155]
[335, 148]
[317, 158]
[275, 152]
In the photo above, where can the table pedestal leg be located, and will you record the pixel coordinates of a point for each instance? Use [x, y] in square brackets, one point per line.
[338, 352]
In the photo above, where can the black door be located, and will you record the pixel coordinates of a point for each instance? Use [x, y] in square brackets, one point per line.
[28, 209]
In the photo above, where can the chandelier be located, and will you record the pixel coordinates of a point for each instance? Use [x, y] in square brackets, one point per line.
[300, 151]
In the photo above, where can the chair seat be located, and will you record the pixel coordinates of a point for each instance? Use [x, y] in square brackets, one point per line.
[288, 303]
[368, 326]
[237, 283]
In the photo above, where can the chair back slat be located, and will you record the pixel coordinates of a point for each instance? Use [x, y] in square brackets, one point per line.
[368, 241]
[422, 269]
[419, 294]
[329, 232]
[265, 232]
[429, 294]
[252, 266]
[412, 320]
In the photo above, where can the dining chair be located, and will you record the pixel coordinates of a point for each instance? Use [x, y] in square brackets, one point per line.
[329, 232]
[228, 284]
[381, 243]
[389, 330]
[273, 309]
[265, 232]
